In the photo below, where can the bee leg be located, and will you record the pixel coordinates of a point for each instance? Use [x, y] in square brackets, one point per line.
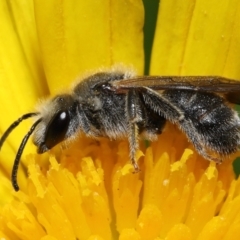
[171, 112]
[134, 116]
[187, 127]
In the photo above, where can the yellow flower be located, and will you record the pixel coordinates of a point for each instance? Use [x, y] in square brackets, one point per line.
[88, 191]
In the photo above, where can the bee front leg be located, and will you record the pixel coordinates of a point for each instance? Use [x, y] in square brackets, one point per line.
[134, 116]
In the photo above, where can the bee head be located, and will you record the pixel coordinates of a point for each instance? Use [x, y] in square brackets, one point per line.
[57, 122]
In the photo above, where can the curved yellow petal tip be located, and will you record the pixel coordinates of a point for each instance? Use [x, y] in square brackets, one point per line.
[127, 169]
[36, 178]
[149, 222]
[216, 228]
[179, 232]
[211, 171]
[179, 164]
[129, 234]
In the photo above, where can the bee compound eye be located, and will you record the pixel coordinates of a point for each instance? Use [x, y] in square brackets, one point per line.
[57, 129]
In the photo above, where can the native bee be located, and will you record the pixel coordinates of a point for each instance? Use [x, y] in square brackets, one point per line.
[117, 104]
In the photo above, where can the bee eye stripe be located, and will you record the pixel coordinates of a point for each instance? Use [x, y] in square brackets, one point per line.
[14, 125]
[19, 154]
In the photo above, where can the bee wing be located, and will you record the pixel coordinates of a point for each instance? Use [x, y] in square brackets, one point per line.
[228, 87]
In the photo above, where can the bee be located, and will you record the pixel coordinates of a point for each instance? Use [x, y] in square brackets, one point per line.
[116, 104]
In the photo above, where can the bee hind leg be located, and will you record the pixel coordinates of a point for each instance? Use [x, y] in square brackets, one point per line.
[170, 110]
[195, 138]
[134, 117]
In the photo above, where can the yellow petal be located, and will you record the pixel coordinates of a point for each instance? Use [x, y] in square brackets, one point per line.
[21, 74]
[129, 234]
[149, 222]
[5, 190]
[197, 38]
[205, 200]
[76, 36]
[214, 229]
[126, 187]
[179, 232]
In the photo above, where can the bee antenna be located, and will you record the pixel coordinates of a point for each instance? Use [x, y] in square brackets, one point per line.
[19, 154]
[14, 125]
